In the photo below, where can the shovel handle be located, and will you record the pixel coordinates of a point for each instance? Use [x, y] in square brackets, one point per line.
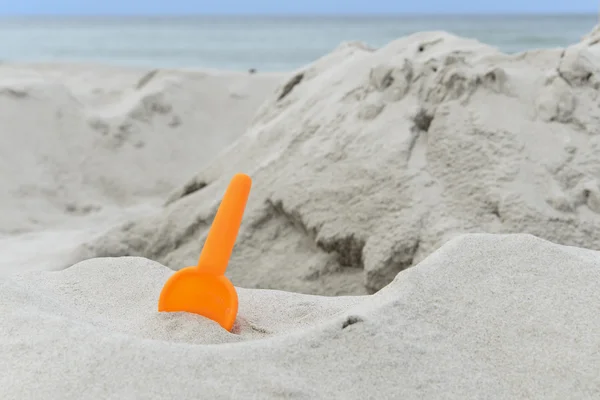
[224, 230]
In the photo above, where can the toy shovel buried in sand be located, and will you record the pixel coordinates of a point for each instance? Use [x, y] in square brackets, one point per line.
[204, 289]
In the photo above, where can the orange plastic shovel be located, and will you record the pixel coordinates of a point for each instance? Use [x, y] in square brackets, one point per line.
[204, 289]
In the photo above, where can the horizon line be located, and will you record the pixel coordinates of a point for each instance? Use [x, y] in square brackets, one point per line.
[313, 15]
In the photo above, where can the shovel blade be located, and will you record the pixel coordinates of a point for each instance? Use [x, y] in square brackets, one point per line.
[196, 291]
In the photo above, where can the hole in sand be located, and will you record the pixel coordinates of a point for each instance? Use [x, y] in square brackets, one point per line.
[422, 120]
[351, 320]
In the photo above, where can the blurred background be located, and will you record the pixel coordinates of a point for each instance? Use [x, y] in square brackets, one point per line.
[267, 35]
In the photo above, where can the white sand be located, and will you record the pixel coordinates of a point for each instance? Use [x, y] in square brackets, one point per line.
[84, 147]
[377, 157]
[370, 164]
[485, 317]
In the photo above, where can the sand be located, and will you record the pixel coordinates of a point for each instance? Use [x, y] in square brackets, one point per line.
[86, 147]
[367, 161]
[485, 316]
[423, 224]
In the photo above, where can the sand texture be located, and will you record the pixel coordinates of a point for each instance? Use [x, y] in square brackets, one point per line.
[484, 317]
[368, 160]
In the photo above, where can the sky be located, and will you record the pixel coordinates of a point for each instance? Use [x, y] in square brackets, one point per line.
[179, 7]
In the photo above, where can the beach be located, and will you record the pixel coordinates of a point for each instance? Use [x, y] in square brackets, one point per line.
[423, 223]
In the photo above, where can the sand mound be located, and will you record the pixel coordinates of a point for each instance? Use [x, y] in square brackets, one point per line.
[506, 316]
[78, 139]
[368, 160]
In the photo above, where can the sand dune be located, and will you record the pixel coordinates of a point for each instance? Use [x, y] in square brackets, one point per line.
[87, 136]
[368, 160]
[86, 146]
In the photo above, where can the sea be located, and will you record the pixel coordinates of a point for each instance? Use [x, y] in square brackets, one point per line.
[273, 43]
